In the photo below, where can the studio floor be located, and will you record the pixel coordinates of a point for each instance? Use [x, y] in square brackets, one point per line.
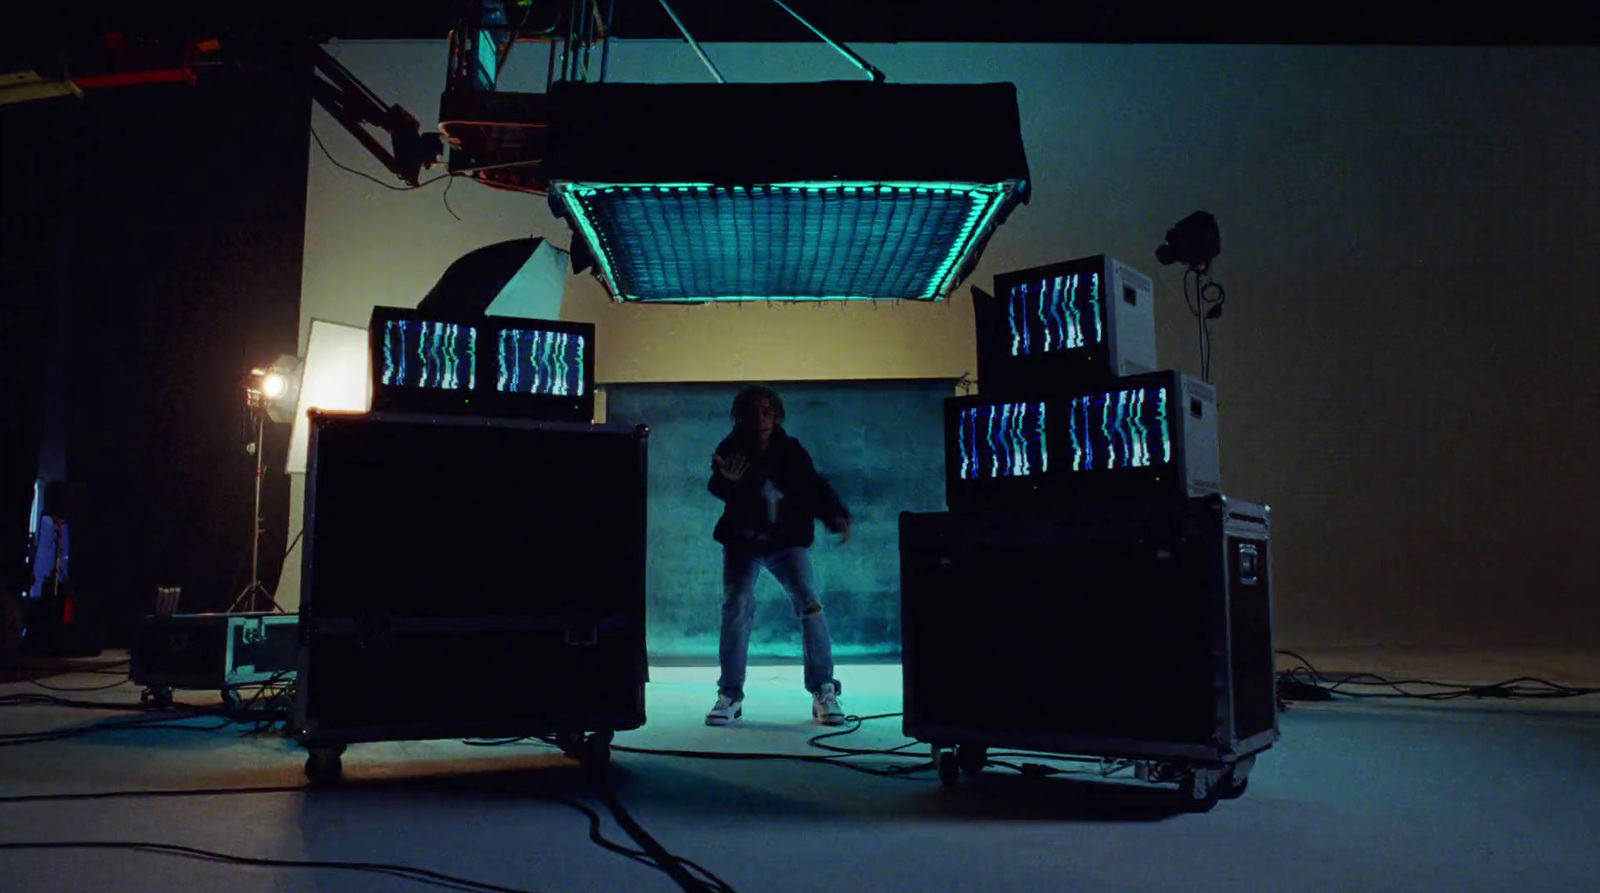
[1357, 796]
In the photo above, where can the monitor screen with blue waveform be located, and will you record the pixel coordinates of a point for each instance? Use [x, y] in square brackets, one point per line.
[1119, 429]
[420, 353]
[1101, 431]
[1148, 436]
[1003, 440]
[1055, 313]
[537, 361]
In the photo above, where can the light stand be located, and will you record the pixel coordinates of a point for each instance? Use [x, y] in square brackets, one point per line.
[248, 597]
[267, 394]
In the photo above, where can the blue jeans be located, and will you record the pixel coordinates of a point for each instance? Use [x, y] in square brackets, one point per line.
[792, 568]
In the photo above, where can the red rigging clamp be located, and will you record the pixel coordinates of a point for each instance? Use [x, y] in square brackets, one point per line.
[499, 138]
[127, 63]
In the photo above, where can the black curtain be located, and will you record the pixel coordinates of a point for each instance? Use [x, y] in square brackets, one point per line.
[30, 269]
[176, 232]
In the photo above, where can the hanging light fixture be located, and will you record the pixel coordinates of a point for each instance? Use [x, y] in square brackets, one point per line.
[816, 191]
[692, 193]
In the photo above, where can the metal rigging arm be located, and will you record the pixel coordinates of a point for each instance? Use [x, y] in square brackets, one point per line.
[354, 106]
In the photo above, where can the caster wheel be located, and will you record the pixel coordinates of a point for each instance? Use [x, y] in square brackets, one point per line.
[971, 758]
[1192, 799]
[592, 751]
[158, 696]
[231, 700]
[571, 744]
[949, 769]
[597, 753]
[323, 765]
[1236, 780]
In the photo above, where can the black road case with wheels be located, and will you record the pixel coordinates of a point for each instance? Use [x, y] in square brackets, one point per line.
[1136, 631]
[220, 652]
[471, 578]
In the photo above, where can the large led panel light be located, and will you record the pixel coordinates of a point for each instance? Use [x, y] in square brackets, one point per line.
[827, 191]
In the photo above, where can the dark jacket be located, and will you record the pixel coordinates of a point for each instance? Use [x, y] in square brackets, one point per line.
[783, 514]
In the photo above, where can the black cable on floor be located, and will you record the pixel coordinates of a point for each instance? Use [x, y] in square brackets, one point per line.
[155, 794]
[421, 875]
[636, 855]
[1520, 688]
[65, 688]
[140, 722]
[816, 740]
[833, 760]
[38, 700]
[100, 668]
[596, 835]
[674, 867]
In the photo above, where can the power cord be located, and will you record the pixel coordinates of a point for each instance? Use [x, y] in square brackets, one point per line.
[158, 793]
[64, 688]
[366, 176]
[1304, 683]
[142, 722]
[673, 866]
[420, 875]
[640, 856]
[1205, 305]
[711, 881]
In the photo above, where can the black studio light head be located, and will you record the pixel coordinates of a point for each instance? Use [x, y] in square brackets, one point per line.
[1193, 241]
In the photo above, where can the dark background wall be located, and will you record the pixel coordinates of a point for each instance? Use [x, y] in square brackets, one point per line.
[157, 259]
[878, 442]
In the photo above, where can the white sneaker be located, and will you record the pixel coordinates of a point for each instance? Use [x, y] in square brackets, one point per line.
[825, 706]
[726, 711]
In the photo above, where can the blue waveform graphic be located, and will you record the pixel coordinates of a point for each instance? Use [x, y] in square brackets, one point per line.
[1120, 429]
[540, 362]
[421, 354]
[1003, 440]
[1054, 314]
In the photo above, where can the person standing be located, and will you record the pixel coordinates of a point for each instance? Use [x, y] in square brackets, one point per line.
[773, 497]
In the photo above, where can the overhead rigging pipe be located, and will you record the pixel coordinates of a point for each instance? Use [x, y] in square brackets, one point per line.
[591, 13]
[605, 49]
[875, 74]
[693, 43]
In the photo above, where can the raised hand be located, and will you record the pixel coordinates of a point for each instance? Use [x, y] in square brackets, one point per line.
[732, 468]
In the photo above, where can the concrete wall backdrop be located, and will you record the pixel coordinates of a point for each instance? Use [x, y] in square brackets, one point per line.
[1405, 365]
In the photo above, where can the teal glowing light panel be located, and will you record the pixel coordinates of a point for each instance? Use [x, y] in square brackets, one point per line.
[820, 241]
[826, 191]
